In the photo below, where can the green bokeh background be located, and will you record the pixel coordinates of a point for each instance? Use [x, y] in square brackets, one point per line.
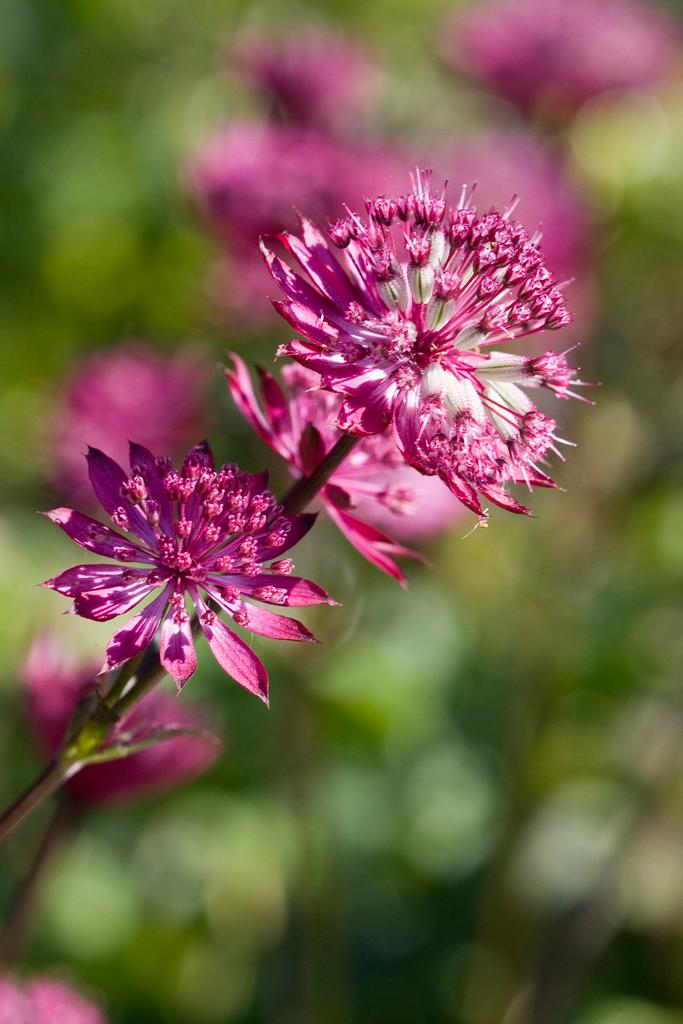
[470, 785]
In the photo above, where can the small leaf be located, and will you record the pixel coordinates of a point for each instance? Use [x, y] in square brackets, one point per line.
[126, 748]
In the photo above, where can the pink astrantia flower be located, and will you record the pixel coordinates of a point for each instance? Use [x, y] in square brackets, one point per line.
[406, 334]
[196, 534]
[553, 55]
[54, 683]
[372, 484]
[45, 1001]
[311, 77]
[107, 401]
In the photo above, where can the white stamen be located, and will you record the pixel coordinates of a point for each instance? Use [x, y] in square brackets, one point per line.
[421, 281]
[458, 394]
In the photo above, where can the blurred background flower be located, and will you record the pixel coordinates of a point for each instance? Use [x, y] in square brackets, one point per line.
[126, 391]
[548, 57]
[43, 1000]
[54, 683]
[310, 76]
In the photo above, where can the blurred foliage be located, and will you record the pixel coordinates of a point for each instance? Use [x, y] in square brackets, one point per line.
[460, 771]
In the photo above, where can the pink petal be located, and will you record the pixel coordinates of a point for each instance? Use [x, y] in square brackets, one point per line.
[301, 593]
[177, 651]
[357, 417]
[97, 537]
[311, 448]
[276, 405]
[314, 256]
[277, 627]
[301, 524]
[294, 286]
[231, 653]
[107, 479]
[372, 543]
[244, 397]
[138, 632]
[266, 623]
[105, 604]
[84, 578]
[308, 322]
[504, 500]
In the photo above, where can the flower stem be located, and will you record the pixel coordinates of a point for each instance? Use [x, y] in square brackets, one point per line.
[146, 672]
[47, 783]
[304, 490]
[65, 819]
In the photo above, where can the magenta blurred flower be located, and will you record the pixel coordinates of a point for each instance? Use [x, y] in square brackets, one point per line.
[107, 400]
[313, 77]
[193, 531]
[551, 199]
[249, 179]
[374, 480]
[54, 683]
[45, 1001]
[551, 55]
[403, 333]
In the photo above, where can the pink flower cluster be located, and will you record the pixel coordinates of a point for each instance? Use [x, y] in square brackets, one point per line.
[404, 330]
[553, 56]
[54, 683]
[215, 537]
[45, 1001]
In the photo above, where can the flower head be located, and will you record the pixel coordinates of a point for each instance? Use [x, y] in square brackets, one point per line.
[554, 55]
[406, 334]
[44, 1001]
[107, 401]
[213, 537]
[311, 77]
[372, 487]
[54, 683]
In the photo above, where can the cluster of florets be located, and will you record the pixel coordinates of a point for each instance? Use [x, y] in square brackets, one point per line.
[472, 272]
[405, 330]
[199, 531]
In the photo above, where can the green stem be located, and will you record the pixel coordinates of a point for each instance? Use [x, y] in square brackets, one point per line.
[147, 670]
[304, 490]
[62, 823]
[47, 783]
